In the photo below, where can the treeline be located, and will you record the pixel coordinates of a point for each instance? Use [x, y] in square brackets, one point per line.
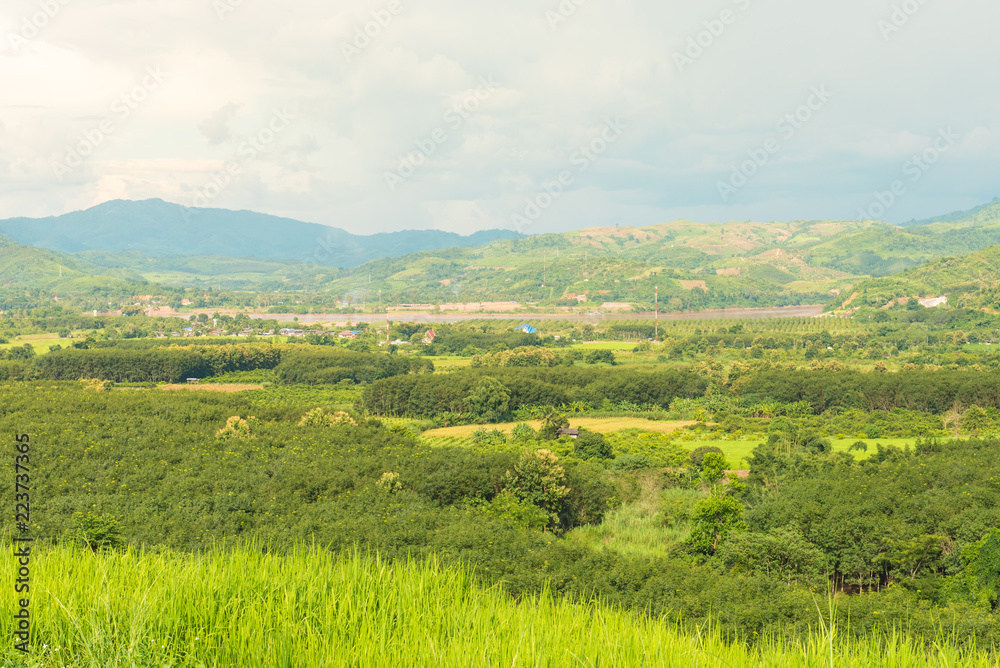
[315, 365]
[528, 386]
[157, 364]
[919, 390]
[168, 363]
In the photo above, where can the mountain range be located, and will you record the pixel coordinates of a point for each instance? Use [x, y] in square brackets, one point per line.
[121, 246]
[157, 228]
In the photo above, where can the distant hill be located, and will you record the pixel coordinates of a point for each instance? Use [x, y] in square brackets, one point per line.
[970, 281]
[971, 216]
[155, 227]
[694, 265]
[28, 269]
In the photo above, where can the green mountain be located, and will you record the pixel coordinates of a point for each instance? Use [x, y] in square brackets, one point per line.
[969, 281]
[155, 227]
[991, 216]
[26, 271]
[694, 265]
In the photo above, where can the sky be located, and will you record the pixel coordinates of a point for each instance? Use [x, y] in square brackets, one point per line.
[533, 115]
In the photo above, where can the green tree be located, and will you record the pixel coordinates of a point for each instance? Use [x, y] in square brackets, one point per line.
[489, 401]
[552, 422]
[713, 467]
[714, 518]
[98, 533]
[600, 357]
[591, 445]
[981, 576]
[539, 479]
[974, 420]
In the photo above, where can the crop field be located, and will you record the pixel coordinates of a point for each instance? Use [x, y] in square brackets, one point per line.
[600, 425]
[242, 607]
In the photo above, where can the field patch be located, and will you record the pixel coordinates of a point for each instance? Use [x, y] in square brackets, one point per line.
[212, 387]
[600, 425]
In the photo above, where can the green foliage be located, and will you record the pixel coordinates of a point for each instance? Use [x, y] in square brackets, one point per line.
[713, 520]
[590, 445]
[318, 365]
[713, 467]
[508, 507]
[526, 356]
[698, 455]
[538, 479]
[981, 575]
[489, 401]
[97, 533]
[600, 357]
[781, 554]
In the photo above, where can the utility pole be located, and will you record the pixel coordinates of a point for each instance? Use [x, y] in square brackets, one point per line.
[543, 269]
[656, 312]
[386, 325]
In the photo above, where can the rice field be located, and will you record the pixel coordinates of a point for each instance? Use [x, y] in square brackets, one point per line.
[600, 425]
[244, 607]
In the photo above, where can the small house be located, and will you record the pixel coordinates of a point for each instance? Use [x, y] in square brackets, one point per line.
[572, 433]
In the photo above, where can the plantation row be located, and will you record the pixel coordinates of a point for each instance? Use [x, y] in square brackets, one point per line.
[166, 363]
[503, 391]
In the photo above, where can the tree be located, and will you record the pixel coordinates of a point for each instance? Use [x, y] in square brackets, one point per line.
[974, 420]
[539, 479]
[600, 357]
[552, 422]
[714, 518]
[591, 445]
[713, 467]
[981, 576]
[489, 401]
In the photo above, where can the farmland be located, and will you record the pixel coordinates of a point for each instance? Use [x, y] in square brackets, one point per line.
[701, 505]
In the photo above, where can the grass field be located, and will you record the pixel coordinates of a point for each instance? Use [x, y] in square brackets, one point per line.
[737, 451]
[605, 345]
[40, 342]
[312, 608]
[600, 425]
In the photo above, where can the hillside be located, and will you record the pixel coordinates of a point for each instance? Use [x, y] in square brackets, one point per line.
[25, 268]
[694, 265]
[970, 281]
[155, 227]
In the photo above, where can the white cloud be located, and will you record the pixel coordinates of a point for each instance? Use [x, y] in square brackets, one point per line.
[355, 120]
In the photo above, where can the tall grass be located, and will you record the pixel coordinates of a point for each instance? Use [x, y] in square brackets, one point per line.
[244, 608]
[652, 525]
